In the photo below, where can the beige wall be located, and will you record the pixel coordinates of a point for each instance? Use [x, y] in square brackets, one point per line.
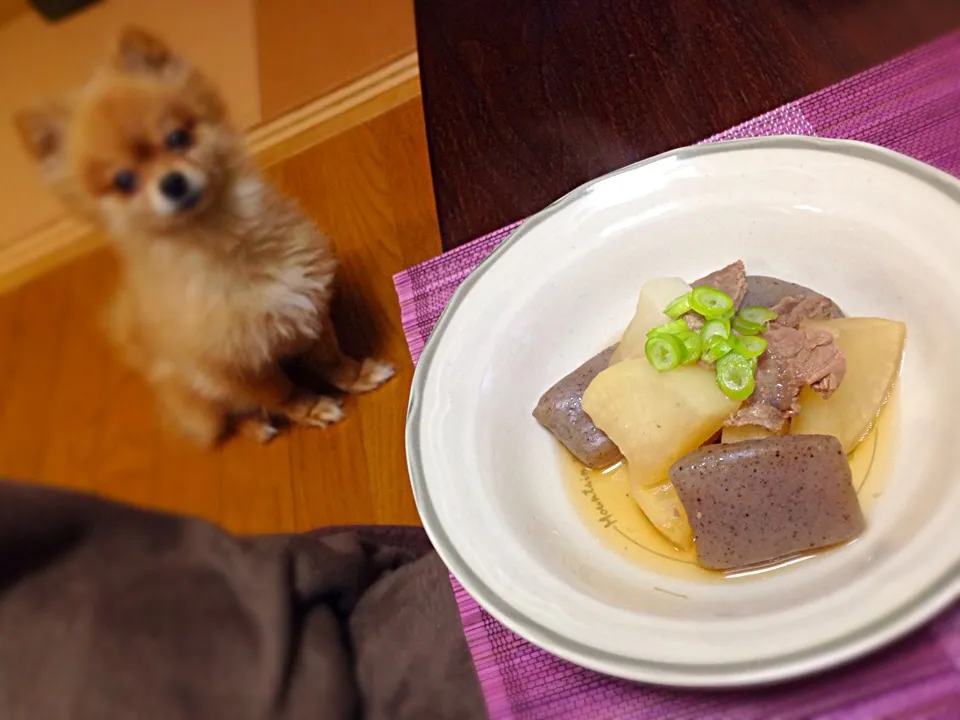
[38, 59]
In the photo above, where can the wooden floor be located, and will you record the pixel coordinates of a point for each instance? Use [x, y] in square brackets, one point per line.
[72, 416]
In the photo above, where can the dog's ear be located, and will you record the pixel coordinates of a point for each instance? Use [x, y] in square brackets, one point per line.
[139, 51]
[42, 131]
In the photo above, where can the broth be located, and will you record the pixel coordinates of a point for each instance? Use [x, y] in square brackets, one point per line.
[603, 502]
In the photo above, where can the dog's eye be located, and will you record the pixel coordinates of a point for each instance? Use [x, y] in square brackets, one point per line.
[177, 139]
[125, 181]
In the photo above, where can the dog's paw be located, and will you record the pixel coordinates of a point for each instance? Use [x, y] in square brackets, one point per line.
[373, 374]
[265, 433]
[317, 412]
[261, 430]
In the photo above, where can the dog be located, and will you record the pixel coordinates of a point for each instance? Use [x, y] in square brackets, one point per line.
[224, 283]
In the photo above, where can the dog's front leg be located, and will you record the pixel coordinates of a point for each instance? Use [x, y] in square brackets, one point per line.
[273, 391]
[200, 419]
[342, 371]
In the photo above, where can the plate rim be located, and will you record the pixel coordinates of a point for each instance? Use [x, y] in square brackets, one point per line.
[921, 607]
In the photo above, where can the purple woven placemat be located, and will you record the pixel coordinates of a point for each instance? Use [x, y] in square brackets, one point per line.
[910, 104]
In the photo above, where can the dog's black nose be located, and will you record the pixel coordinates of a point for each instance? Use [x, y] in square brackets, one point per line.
[175, 186]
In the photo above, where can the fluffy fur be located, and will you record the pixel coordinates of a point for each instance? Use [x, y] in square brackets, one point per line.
[224, 282]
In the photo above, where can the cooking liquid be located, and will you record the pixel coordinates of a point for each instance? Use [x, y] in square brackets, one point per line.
[602, 500]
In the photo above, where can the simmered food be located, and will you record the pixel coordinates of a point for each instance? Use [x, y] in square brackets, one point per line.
[793, 303]
[560, 412]
[762, 499]
[655, 295]
[739, 433]
[872, 348]
[793, 359]
[734, 402]
[655, 419]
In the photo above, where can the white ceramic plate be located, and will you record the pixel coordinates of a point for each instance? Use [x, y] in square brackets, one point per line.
[877, 231]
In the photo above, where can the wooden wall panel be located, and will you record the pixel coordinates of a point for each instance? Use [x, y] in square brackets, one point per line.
[307, 48]
[11, 8]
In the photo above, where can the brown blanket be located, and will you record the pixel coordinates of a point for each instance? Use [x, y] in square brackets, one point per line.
[107, 611]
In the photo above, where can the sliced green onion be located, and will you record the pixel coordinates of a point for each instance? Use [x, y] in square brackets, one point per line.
[715, 328]
[735, 376]
[757, 314]
[664, 352]
[674, 327]
[745, 327]
[678, 307]
[710, 302]
[750, 346]
[721, 345]
[693, 346]
[716, 348]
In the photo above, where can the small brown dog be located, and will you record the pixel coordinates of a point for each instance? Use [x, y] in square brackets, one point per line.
[223, 282]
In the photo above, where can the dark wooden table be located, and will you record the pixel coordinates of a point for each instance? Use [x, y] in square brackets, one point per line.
[526, 99]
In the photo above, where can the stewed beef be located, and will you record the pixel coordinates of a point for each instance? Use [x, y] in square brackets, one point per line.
[793, 358]
[794, 309]
[731, 280]
[785, 297]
